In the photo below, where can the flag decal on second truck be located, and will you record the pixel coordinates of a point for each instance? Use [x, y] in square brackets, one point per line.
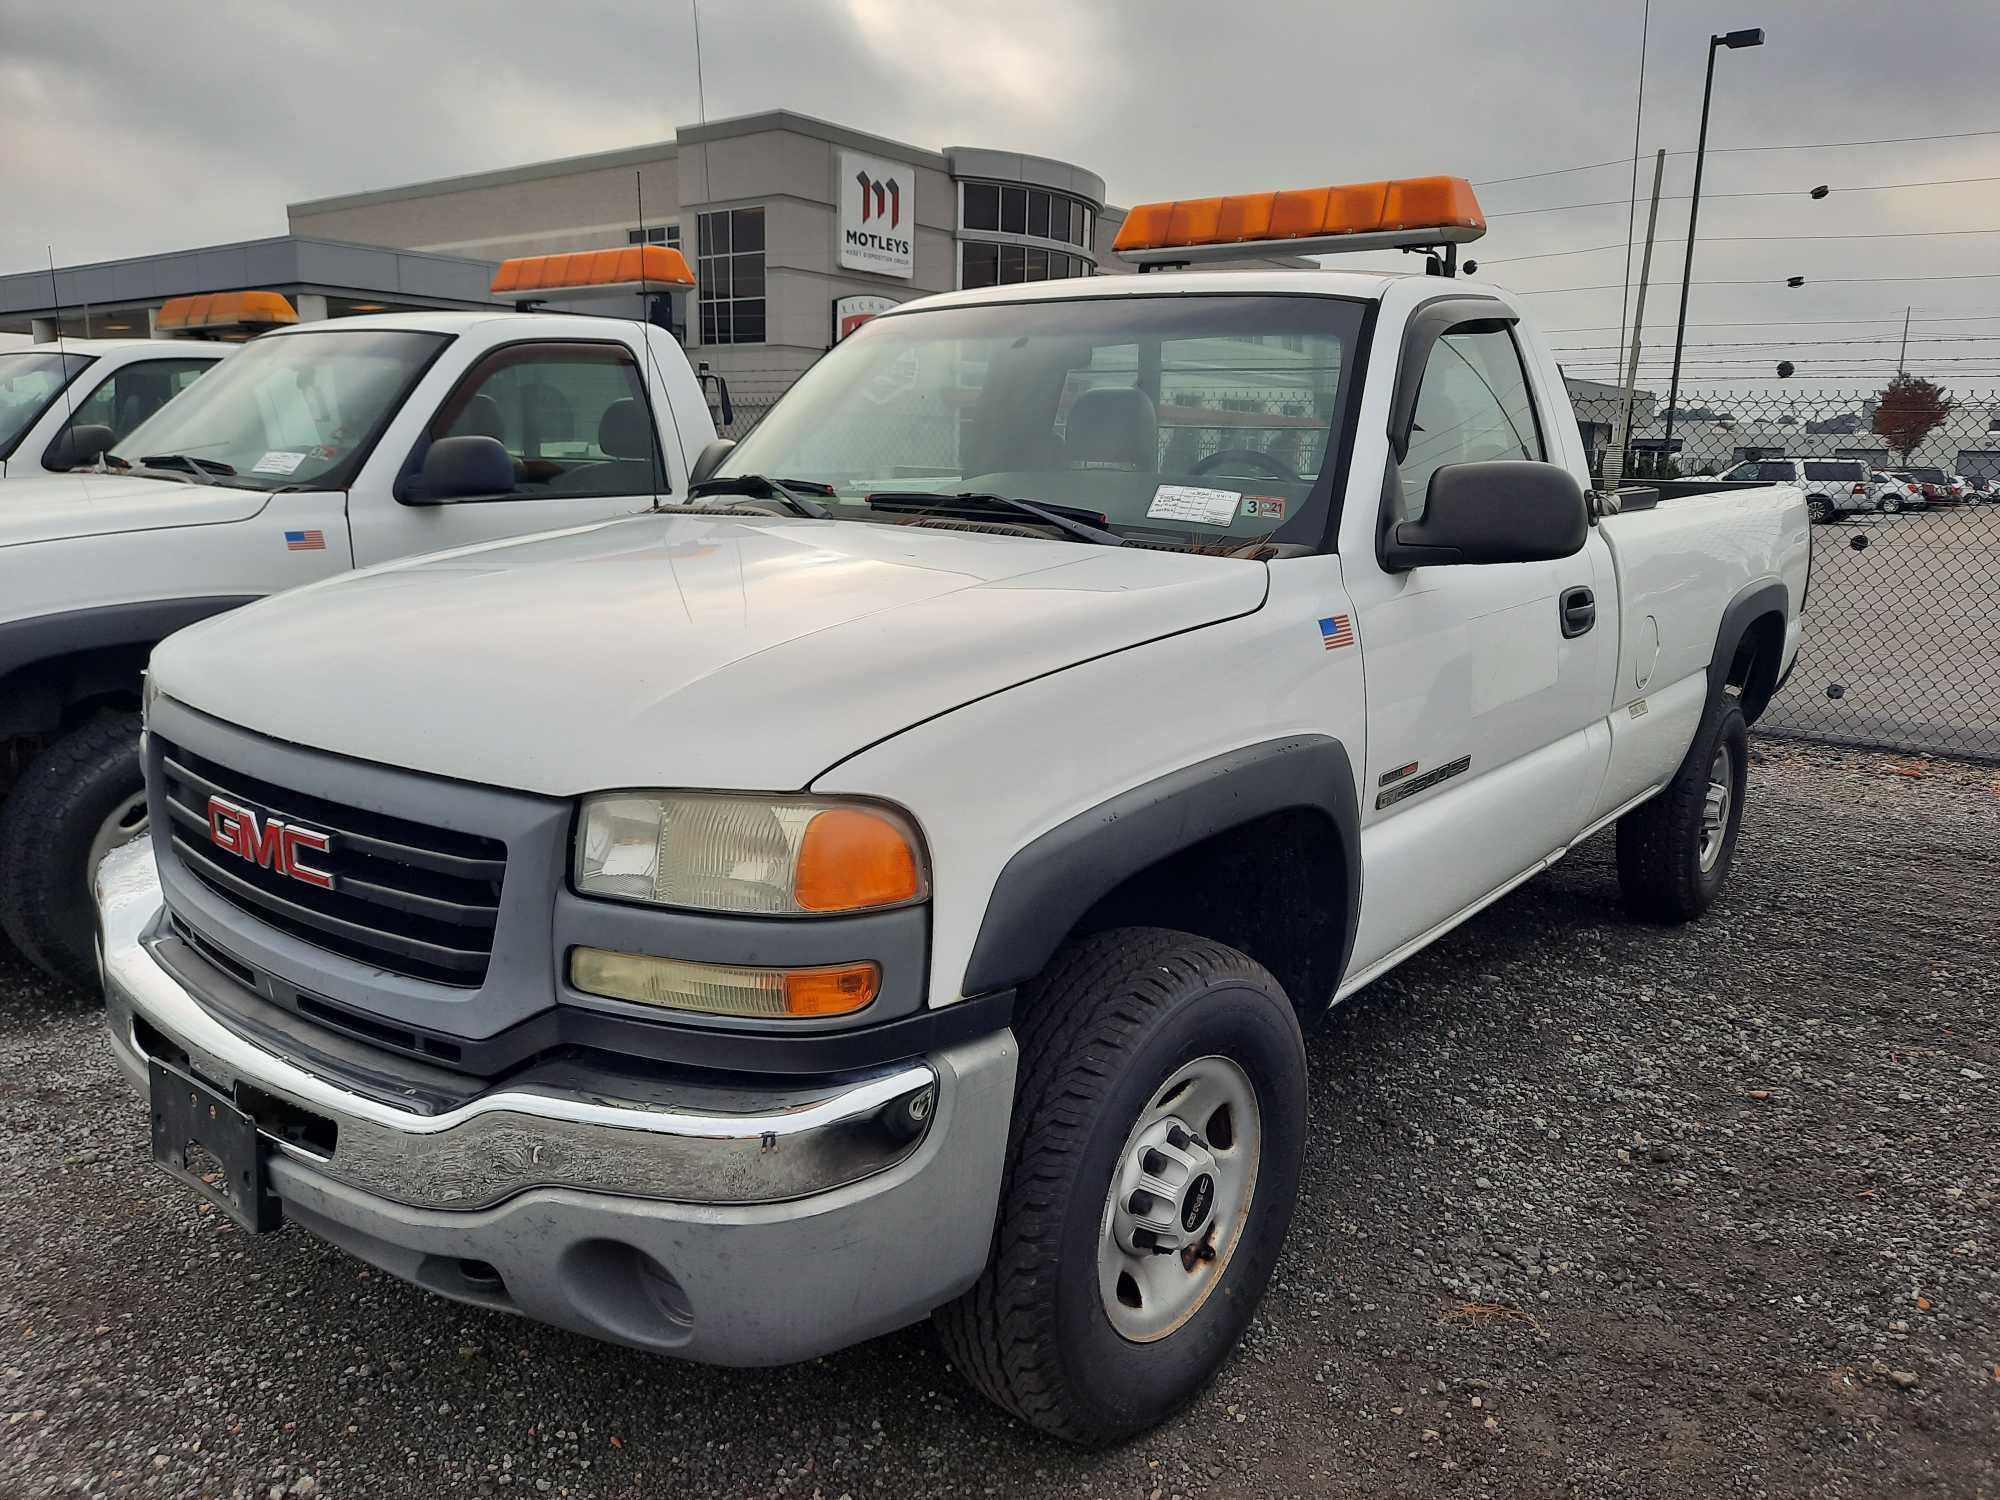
[1337, 631]
[305, 541]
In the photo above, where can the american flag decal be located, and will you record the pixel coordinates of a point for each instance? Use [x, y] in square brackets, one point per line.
[1336, 631]
[305, 541]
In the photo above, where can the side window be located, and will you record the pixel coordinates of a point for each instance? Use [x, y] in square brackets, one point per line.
[127, 397]
[1473, 406]
[572, 416]
[1834, 469]
[1777, 471]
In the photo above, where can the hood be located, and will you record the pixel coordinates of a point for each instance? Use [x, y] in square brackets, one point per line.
[677, 651]
[56, 507]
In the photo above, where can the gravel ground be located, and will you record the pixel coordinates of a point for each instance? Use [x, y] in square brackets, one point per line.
[1590, 1209]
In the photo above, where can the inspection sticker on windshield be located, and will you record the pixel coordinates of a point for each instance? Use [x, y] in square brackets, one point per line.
[277, 463]
[1190, 502]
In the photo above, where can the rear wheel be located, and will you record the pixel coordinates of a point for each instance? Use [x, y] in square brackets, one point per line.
[1889, 505]
[1674, 852]
[81, 798]
[1820, 509]
[1153, 1159]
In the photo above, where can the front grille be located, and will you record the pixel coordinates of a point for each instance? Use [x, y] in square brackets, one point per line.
[406, 897]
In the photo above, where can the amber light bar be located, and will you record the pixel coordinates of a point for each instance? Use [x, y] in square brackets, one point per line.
[585, 273]
[1408, 212]
[224, 312]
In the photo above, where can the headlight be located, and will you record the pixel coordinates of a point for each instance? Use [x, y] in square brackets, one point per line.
[760, 856]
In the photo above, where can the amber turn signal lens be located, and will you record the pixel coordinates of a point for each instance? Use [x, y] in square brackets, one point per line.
[852, 858]
[831, 992]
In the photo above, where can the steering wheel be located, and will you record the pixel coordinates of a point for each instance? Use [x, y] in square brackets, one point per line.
[1256, 460]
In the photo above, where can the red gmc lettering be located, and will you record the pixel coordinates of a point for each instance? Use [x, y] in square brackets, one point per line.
[275, 845]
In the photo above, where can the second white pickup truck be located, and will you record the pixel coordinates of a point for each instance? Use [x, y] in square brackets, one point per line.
[892, 884]
[310, 451]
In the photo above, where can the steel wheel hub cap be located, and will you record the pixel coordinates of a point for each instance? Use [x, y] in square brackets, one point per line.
[1179, 1197]
[1715, 809]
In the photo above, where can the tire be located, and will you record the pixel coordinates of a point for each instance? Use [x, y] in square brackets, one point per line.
[1889, 505]
[1820, 509]
[1665, 864]
[1113, 1021]
[80, 788]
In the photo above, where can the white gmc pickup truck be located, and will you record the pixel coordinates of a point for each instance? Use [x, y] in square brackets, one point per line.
[891, 884]
[311, 451]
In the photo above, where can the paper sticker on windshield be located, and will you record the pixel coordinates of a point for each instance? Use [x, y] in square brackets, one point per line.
[277, 463]
[1264, 507]
[1190, 502]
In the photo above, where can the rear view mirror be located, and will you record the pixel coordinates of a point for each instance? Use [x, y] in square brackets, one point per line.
[710, 459]
[459, 468]
[1497, 512]
[76, 447]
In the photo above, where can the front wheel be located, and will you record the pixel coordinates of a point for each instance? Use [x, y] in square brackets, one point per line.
[81, 798]
[1888, 505]
[1820, 509]
[1674, 852]
[1153, 1160]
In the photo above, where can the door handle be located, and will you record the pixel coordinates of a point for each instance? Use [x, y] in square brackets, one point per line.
[1579, 611]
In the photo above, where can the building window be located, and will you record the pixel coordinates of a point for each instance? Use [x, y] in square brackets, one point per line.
[1005, 209]
[655, 234]
[986, 264]
[729, 276]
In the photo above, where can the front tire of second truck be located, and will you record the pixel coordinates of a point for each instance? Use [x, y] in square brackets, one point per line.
[1153, 1160]
[81, 797]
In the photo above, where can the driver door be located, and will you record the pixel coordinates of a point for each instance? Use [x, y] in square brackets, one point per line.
[576, 419]
[1486, 700]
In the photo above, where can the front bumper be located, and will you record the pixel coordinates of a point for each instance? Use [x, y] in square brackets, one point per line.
[748, 1228]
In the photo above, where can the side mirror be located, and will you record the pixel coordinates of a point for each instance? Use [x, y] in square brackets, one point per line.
[710, 459]
[74, 447]
[459, 468]
[718, 402]
[1499, 512]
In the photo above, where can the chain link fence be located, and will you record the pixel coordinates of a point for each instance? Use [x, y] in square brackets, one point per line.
[1902, 621]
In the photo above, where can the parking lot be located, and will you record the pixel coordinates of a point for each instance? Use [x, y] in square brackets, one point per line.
[1590, 1208]
[1902, 634]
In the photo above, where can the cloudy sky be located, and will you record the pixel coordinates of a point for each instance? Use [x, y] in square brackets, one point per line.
[137, 127]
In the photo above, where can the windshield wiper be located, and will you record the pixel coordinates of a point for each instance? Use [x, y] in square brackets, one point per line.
[790, 493]
[199, 466]
[1084, 525]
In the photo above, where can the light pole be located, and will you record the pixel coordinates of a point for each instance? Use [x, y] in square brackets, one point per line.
[1752, 37]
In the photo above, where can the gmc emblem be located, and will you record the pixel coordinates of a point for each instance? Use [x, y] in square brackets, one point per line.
[274, 843]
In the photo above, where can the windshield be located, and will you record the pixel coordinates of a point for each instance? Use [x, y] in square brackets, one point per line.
[298, 410]
[29, 380]
[1201, 421]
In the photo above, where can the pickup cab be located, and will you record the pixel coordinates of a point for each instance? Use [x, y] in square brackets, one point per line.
[313, 450]
[62, 404]
[892, 883]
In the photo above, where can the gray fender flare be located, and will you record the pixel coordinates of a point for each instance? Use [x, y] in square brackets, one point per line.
[29, 701]
[1751, 603]
[1051, 882]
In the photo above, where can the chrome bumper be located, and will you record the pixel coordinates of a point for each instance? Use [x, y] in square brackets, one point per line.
[706, 1146]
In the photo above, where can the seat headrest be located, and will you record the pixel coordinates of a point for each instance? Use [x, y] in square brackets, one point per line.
[1114, 427]
[623, 431]
[481, 417]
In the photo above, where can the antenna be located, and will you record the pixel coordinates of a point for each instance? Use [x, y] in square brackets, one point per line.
[62, 359]
[646, 343]
[700, 92]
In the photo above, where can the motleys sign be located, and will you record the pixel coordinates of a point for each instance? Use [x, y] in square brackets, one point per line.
[878, 215]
